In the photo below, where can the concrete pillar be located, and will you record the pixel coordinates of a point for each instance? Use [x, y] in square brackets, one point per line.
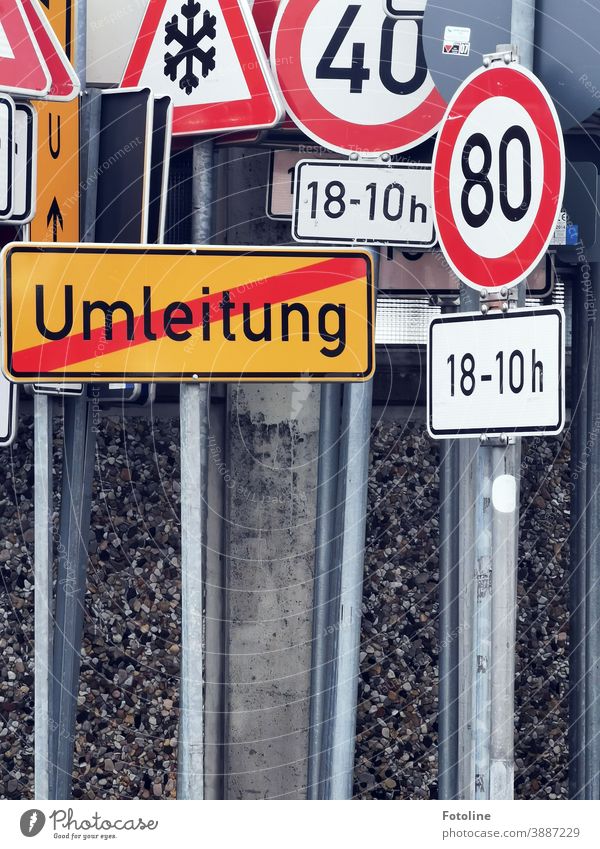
[272, 444]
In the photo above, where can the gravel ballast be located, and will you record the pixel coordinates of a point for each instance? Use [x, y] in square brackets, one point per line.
[126, 737]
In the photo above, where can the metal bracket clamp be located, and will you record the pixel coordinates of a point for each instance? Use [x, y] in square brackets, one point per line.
[504, 300]
[506, 53]
[385, 157]
[501, 440]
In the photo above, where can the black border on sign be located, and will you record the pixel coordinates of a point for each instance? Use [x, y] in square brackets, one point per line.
[69, 30]
[13, 397]
[193, 376]
[525, 430]
[337, 240]
[31, 120]
[5, 213]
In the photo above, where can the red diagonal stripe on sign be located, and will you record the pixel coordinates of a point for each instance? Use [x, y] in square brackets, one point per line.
[291, 285]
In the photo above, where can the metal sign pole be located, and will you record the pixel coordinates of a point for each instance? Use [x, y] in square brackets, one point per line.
[579, 557]
[78, 470]
[327, 505]
[354, 477]
[77, 477]
[353, 482]
[449, 621]
[449, 588]
[592, 603]
[194, 424]
[43, 559]
[493, 614]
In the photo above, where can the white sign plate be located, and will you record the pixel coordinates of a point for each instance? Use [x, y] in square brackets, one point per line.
[24, 186]
[280, 191]
[496, 374]
[425, 273]
[7, 154]
[9, 395]
[347, 202]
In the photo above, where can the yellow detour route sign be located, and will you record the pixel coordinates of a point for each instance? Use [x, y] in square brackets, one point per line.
[57, 204]
[104, 312]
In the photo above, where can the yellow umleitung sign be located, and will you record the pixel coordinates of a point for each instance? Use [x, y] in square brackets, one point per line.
[104, 312]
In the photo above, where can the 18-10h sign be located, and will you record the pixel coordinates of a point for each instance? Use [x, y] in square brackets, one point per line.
[101, 312]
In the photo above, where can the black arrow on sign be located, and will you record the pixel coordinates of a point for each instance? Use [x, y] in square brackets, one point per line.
[55, 216]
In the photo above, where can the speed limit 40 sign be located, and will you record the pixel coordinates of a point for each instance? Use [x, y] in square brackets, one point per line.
[499, 173]
[354, 79]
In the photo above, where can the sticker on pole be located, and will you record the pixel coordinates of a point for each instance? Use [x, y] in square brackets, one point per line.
[348, 202]
[496, 374]
[457, 41]
[207, 56]
[499, 174]
[100, 313]
[354, 79]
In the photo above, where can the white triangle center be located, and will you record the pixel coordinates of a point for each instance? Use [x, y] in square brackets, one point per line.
[222, 83]
[5, 48]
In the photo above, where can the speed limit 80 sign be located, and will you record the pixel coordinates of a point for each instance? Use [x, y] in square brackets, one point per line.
[499, 173]
[354, 79]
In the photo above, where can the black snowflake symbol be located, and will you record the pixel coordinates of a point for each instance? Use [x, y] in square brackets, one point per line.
[189, 42]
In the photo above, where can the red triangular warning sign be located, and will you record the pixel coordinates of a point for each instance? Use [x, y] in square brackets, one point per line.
[207, 56]
[22, 68]
[64, 80]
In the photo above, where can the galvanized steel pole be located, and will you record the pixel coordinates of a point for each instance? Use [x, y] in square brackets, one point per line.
[592, 597]
[327, 505]
[488, 749]
[43, 560]
[522, 29]
[580, 359]
[78, 469]
[354, 473]
[194, 416]
[449, 621]
[505, 536]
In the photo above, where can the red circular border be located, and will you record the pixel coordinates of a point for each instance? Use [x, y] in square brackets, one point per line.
[488, 272]
[330, 128]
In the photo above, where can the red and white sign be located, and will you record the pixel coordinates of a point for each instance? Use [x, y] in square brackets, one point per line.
[208, 58]
[352, 78]
[64, 81]
[264, 13]
[499, 173]
[22, 68]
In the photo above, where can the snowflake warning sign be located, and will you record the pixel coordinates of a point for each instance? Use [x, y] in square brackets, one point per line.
[207, 56]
